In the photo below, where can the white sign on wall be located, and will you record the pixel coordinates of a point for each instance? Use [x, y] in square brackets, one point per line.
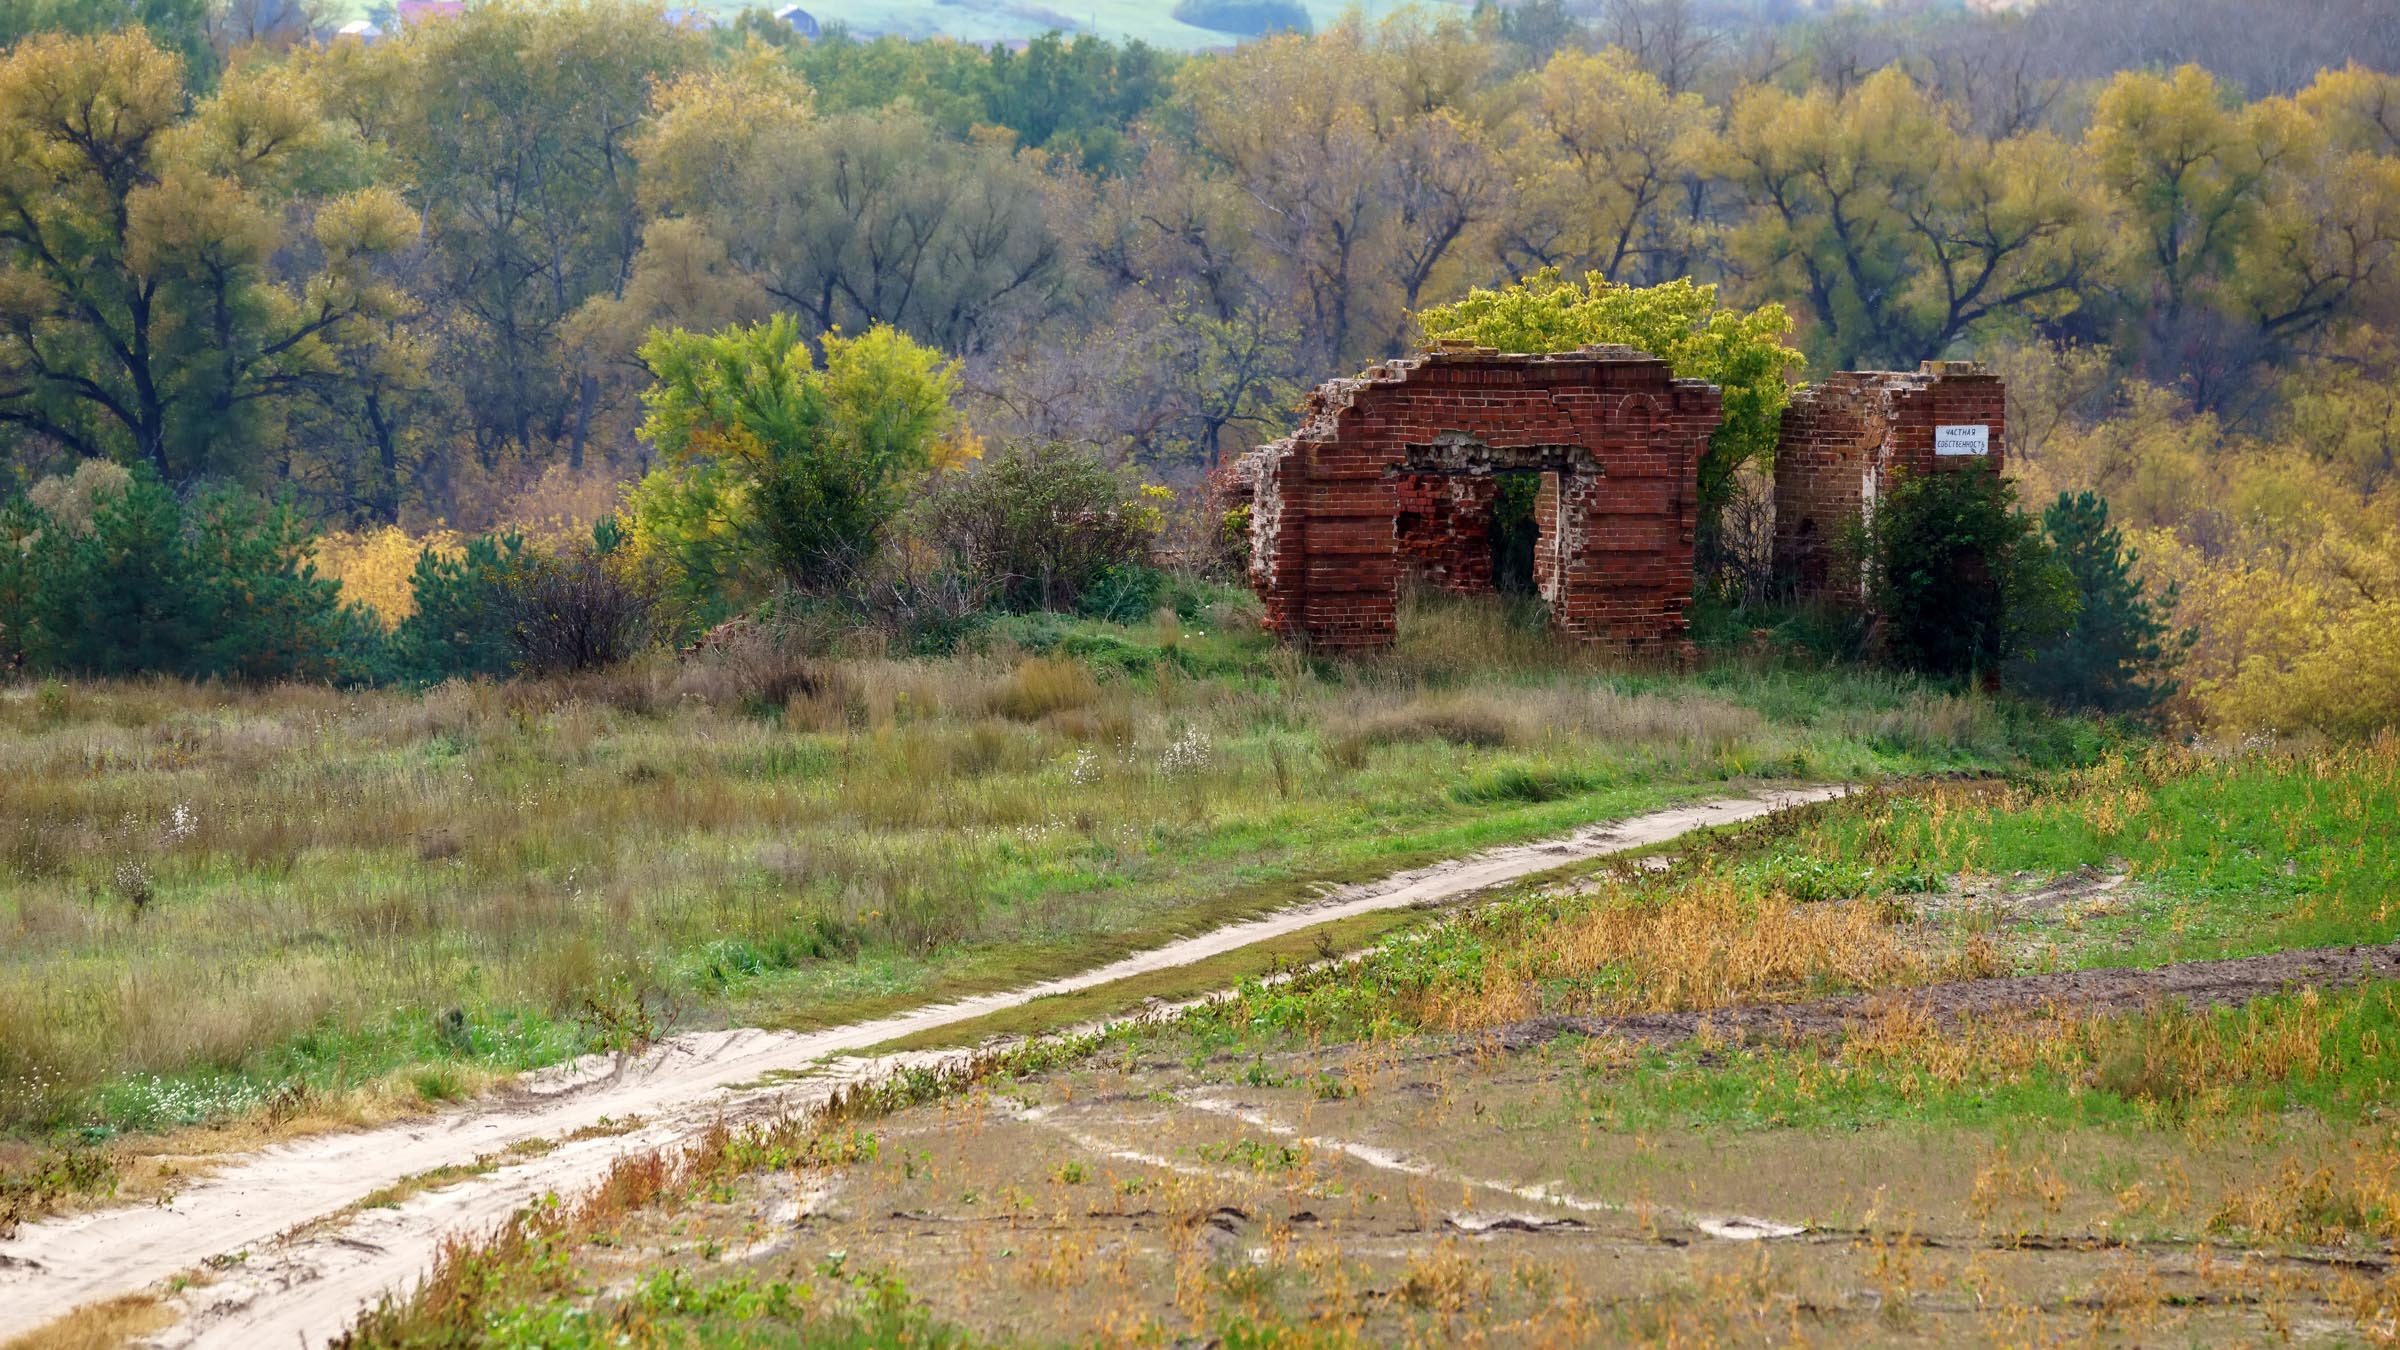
[1962, 440]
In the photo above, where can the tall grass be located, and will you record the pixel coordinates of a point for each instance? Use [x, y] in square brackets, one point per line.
[214, 891]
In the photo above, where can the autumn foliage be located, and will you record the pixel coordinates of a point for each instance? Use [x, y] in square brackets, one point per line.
[2282, 542]
[400, 281]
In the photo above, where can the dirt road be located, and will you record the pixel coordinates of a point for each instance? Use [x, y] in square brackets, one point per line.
[2199, 984]
[289, 1260]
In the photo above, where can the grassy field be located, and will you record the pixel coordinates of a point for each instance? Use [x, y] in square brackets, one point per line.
[1360, 1157]
[296, 903]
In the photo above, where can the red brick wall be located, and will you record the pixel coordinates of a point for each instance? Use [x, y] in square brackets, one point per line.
[1848, 438]
[1444, 529]
[1415, 441]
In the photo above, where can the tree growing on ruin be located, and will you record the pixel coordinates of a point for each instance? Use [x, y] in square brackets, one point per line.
[1742, 352]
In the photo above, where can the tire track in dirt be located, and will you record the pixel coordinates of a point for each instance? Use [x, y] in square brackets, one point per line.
[2200, 984]
[1725, 1227]
[294, 1268]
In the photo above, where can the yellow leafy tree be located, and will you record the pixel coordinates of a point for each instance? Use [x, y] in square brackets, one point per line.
[1896, 233]
[1598, 152]
[2283, 547]
[143, 310]
[374, 566]
[778, 468]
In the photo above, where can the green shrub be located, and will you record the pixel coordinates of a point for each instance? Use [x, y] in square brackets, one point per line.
[1247, 18]
[1127, 593]
[1036, 633]
[1040, 526]
[264, 613]
[498, 608]
[466, 609]
[2115, 656]
[1962, 580]
[774, 464]
[115, 597]
[1107, 651]
[130, 580]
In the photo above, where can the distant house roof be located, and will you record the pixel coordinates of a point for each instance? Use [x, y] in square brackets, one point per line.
[361, 29]
[410, 12]
[802, 22]
[693, 20]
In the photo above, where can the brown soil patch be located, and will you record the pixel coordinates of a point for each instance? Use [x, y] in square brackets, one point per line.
[2197, 984]
[1372, 1194]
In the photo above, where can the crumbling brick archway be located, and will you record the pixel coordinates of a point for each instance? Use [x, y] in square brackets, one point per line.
[1450, 491]
[1397, 473]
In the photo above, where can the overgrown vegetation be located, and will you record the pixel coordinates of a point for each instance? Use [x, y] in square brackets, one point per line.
[1742, 353]
[1962, 581]
[1044, 526]
[108, 573]
[287, 269]
[294, 887]
[853, 369]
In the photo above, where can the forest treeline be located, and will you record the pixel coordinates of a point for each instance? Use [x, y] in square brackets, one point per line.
[400, 281]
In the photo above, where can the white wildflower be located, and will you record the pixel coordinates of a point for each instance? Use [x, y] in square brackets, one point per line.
[1187, 754]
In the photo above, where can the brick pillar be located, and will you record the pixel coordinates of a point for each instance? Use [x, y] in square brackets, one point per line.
[1324, 546]
[1546, 572]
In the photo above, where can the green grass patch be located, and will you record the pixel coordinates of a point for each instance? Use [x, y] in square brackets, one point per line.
[2319, 1053]
[2231, 854]
[2224, 856]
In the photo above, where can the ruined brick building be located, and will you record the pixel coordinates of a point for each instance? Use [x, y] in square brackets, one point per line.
[1847, 438]
[1400, 472]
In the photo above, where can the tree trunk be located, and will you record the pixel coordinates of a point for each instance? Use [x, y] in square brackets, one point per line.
[587, 392]
[387, 464]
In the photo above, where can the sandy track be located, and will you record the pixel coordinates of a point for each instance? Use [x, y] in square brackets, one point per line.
[296, 1269]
